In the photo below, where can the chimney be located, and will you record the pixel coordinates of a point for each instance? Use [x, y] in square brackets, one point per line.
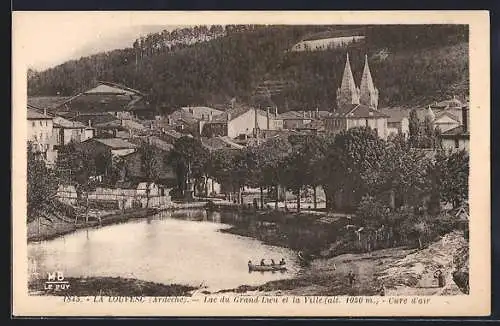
[465, 117]
[44, 111]
[276, 111]
[169, 121]
[90, 123]
[228, 116]
[303, 114]
[151, 126]
[317, 112]
[210, 116]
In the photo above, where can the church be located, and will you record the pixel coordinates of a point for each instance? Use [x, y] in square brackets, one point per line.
[357, 106]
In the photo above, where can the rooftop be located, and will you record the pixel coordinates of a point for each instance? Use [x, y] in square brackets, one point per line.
[199, 111]
[114, 143]
[47, 102]
[359, 111]
[33, 114]
[396, 114]
[454, 132]
[96, 119]
[236, 112]
[65, 123]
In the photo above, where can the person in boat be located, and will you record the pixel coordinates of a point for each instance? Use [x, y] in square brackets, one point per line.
[282, 261]
[262, 262]
[272, 262]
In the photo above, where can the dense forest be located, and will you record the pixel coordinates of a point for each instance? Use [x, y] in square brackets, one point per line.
[209, 65]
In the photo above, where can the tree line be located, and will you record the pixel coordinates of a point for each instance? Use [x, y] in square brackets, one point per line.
[388, 185]
[424, 61]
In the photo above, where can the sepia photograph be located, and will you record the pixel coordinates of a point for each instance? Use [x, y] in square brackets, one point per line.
[294, 165]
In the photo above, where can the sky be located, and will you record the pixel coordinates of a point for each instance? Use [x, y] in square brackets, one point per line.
[49, 39]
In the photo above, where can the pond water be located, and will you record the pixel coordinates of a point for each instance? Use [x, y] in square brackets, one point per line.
[182, 247]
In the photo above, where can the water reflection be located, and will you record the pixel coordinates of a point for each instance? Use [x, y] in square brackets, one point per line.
[182, 247]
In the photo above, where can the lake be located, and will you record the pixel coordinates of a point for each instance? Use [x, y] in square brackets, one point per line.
[181, 247]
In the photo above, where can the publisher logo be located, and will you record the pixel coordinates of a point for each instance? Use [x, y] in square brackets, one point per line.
[56, 282]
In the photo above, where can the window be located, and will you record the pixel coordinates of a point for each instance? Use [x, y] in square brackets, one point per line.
[457, 144]
[40, 123]
[33, 124]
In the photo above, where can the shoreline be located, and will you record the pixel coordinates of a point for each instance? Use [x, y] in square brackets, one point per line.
[394, 268]
[113, 286]
[58, 228]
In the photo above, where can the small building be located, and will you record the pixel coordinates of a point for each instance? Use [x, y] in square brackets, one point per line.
[358, 115]
[445, 121]
[397, 121]
[133, 172]
[238, 121]
[40, 133]
[116, 146]
[105, 124]
[66, 131]
[457, 138]
[295, 119]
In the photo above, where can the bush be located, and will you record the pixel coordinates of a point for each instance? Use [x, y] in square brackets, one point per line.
[372, 211]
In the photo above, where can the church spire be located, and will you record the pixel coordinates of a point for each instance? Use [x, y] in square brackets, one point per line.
[368, 93]
[347, 93]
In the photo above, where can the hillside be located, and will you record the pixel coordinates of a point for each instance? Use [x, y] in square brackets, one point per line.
[207, 66]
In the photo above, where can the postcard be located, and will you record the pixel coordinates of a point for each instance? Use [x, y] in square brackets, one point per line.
[323, 164]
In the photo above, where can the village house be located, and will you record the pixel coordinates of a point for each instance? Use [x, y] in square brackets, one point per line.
[398, 121]
[116, 146]
[182, 121]
[457, 138]
[105, 124]
[66, 131]
[300, 119]
[295, 119]
[239, 121]
[120, 101]
[40, 133]
[201, 112]
[357, 107]
[133, 172]
[443, 120]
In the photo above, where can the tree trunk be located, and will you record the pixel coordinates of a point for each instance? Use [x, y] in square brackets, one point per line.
[87, 207]
[277, 197]
[298, 200]
[147, 195]
[315, 198]
[261, 198]
[284, 198]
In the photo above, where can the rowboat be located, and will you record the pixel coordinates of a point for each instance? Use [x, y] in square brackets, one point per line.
[266, 268]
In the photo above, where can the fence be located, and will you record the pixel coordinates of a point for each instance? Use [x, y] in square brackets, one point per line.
[106, 198]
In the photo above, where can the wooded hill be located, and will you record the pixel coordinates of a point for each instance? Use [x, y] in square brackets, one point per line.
[411, 65]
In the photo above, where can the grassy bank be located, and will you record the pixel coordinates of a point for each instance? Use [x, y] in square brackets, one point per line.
[45, 228]
[113, 286]
[399, 271]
